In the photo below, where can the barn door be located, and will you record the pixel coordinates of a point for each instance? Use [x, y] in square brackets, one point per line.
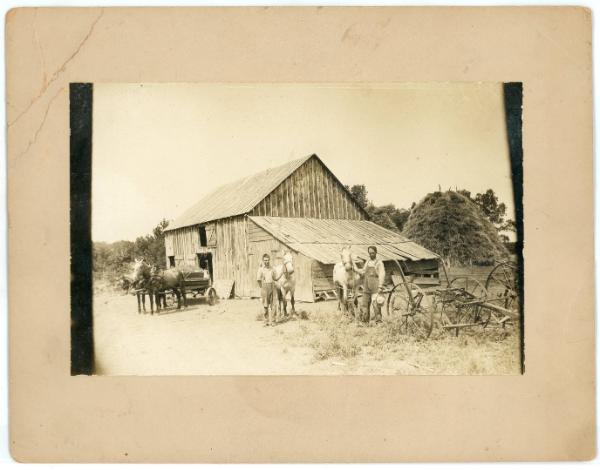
[205, 261]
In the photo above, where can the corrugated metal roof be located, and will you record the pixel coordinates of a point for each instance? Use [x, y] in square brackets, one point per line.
[323, 239]
[238, 197]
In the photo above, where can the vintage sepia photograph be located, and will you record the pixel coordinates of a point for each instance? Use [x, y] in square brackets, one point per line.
[304, 228]
[309, 225]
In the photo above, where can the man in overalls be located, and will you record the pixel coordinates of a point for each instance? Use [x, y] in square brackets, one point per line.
[374, 276]
[264, 277]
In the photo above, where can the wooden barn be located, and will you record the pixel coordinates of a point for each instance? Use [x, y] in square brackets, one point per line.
[300, 206]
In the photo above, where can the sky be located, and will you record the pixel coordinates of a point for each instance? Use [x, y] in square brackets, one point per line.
[159, 148]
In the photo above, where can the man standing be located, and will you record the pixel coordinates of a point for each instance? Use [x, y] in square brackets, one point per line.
[374, 273]
[264, 277]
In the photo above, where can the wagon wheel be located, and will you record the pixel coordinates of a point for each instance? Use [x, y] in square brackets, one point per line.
[465, 307]
[502, 285]
[211, 295]
[413, 308]
[170, 299]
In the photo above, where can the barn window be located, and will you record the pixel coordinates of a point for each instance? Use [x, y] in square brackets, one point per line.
[171, 261]
[202, 235]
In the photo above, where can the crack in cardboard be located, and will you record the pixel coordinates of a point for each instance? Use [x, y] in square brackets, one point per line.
[39, 129]
[59, 71]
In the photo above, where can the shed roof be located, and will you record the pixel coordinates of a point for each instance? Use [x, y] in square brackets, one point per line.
[238, 197]
[323, 239]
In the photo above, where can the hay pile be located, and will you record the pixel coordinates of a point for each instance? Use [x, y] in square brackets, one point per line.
[453, 226]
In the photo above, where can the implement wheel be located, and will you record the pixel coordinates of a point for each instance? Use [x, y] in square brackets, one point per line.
[502, 285]
[408, 304]
[465, 308]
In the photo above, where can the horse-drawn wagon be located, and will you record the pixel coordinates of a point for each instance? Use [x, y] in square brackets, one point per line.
[464, 302]
[199, 284]
[170, 287]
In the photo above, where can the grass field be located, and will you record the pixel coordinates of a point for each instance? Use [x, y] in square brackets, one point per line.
[475, 351]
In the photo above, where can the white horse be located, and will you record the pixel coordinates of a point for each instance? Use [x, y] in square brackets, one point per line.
[345, 278]
[285, 281]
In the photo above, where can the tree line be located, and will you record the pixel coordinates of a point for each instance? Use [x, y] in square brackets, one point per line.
[462, 228]
[113, 260]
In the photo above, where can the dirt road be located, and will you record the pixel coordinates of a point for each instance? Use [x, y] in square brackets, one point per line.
[227, 339]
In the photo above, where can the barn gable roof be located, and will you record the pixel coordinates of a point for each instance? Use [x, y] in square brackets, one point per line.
[241, 196]
[323, 239]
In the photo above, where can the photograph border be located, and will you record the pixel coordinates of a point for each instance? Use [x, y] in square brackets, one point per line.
[56, 417]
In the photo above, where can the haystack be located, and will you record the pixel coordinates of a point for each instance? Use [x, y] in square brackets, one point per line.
[453, 226]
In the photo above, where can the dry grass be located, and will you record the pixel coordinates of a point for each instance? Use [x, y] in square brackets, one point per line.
[475, 351]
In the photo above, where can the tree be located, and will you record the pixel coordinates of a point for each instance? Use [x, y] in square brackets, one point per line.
[493, 210]
[159, 230]
[509, 226]
[152, 247]
[400, 216]
[388, 216]
[359, 192]
[381, 216]
[112, 260]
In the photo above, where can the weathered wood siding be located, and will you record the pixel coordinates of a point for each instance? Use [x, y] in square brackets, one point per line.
[261, 242]
[226, 240]
[423, 272]
[183, 244]
[230, 259]
[311, 191]
[322, 276]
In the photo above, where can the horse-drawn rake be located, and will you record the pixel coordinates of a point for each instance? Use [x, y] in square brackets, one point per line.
[464, 303]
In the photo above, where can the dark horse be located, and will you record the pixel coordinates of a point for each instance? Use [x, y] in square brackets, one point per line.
[156, 283]
[130, 285]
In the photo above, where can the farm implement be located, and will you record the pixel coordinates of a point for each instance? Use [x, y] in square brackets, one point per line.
[464, 303]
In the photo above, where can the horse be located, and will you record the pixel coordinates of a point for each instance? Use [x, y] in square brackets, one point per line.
[156, 283]
[127, 283]
[139, 282]
[285, 281]
[123, 282]
[345, 278]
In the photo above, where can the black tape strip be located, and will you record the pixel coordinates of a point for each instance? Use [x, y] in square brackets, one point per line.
[82, 333]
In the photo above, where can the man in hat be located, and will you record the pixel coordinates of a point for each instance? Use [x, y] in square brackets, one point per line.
[265, 280]
[374, 277]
